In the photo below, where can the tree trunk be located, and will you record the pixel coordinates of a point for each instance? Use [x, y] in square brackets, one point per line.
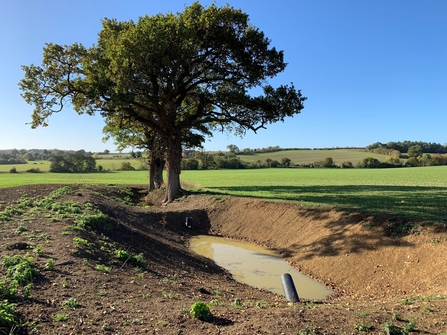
[159, 166]
[173, 162]
[156, 165]
[151, 174]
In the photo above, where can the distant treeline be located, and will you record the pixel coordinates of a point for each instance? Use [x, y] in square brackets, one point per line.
[206, 161]
[5, 159]
[404, 147]
[247, 151]
[21, 156]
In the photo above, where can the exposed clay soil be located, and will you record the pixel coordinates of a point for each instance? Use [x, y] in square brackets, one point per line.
[376, 277]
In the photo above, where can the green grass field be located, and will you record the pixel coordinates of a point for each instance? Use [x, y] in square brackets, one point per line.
[410, 193]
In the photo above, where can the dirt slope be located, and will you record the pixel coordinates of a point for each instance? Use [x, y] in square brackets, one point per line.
[377, 278]
[352, 253]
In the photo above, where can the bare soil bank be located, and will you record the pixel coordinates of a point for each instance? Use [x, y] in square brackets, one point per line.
[377, 278]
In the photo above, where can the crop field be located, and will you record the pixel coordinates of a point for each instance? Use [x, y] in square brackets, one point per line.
[409, 193]
[310, 156]
[108, 164]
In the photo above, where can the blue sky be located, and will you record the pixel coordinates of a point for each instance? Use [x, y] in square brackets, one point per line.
[372, 70]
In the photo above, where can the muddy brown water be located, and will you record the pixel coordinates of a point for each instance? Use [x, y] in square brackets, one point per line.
[255, 265]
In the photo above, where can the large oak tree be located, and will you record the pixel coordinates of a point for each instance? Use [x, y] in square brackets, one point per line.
[170, 73]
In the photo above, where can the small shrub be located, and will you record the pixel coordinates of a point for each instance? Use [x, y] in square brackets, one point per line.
[201, 311]
[34, 170]
[13, 170]
[370, 163]
[126, 166]
[347, 165]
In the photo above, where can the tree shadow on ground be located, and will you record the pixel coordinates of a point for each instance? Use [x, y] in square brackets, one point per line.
[160, 236]
[305, 232]
[347, 235]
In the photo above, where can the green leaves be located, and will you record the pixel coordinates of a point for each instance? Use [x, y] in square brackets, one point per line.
[168, 79]
[200, 310]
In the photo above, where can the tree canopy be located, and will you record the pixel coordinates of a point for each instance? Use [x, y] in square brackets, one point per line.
[169, 73]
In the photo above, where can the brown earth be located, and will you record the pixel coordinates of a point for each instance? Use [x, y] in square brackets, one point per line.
[376, 277]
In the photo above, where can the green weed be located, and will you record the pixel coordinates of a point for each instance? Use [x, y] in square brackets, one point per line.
[7, 311]
[171, 279]
[27, 290]
[391, 329]
[408, 301]
[38, 249]
[70, 303]
[169, 295]
[427, 309]
[409, 327]
[308, 330]
[44, 236]
[126, 256]
[91, 220]
[102, 268]
[162, 323]
[105, 327]
[21, 229]
[49, 265]
[237, 303]
[20, 268]
[201, 311]
[363, 326]
[60, 317]
[79, 242]
[396, 317]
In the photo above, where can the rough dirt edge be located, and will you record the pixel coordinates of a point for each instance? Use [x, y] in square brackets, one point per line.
[314, 240]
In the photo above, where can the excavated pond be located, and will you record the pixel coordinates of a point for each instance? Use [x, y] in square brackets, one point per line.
[255, 266]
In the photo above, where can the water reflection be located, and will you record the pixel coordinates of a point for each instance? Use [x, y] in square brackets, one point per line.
[255, 266]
